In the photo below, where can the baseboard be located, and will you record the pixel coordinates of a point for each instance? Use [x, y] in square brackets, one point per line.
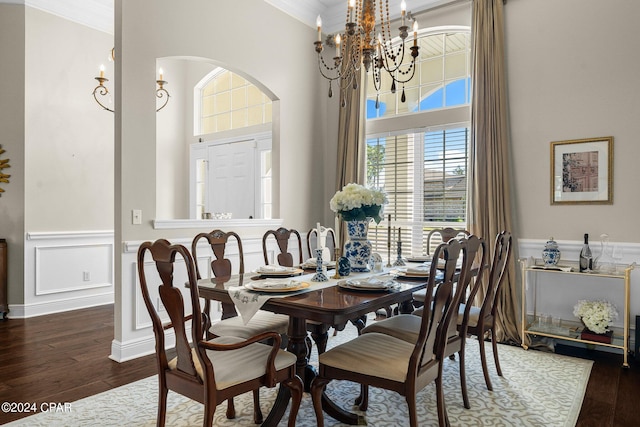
[23, 311]
[132, 349]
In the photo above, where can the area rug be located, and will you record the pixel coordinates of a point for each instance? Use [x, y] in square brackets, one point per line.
[537, 389]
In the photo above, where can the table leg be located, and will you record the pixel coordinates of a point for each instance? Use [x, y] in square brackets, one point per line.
[298, 346]
[406, 307]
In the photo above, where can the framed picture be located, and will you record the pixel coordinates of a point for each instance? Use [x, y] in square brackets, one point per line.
[582, 171]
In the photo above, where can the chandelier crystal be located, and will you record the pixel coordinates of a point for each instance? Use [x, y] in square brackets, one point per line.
[358, 45]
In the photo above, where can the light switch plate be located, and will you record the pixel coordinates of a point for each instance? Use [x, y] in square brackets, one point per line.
[136, 216]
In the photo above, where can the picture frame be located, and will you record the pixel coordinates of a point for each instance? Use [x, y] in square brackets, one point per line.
[582, 171]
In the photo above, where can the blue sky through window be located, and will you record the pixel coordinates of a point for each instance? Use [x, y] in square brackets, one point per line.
[456, 94]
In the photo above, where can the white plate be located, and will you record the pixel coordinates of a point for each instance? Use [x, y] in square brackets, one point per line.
[267, 286]
[311, 263]
[419, 259]
[375, 283]
[411, 272]
[279, 271]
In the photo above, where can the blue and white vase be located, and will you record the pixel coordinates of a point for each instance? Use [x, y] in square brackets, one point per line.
[551, 253]
[358, 248]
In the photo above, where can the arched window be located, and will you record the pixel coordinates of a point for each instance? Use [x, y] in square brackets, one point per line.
[229, 101]
[417, 151]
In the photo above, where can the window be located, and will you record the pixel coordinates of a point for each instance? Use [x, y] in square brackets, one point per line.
[423, 168]
[229, 101]
[231, 168]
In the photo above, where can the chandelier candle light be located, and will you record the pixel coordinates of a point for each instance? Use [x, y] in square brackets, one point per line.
[359, 46]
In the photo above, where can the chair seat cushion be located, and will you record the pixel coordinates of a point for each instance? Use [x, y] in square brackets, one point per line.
[262, 321]
[237, 366]
[420, 295]
[474, 315]
[403, 326]
[385, 356]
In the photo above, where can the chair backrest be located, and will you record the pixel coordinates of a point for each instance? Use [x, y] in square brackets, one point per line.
[499, 265]
[164, 256]
[438, 308]
[218, 239]
[312, 242]
[442, 235]
[474, 259]
[282, 235]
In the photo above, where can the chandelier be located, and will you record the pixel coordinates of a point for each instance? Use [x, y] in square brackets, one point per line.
[102, 91]
[359, 46]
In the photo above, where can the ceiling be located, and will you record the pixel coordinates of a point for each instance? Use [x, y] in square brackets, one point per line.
[98, 14]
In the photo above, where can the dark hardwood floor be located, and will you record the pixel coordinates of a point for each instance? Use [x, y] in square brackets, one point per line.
[64, 357]
[61, 358]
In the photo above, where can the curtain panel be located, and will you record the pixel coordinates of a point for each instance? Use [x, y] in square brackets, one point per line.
[490, 207]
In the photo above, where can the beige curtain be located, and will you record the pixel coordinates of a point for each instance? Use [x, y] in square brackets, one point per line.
[490, 209]
[351, 148]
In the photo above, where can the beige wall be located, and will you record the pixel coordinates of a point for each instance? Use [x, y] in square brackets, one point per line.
[12, 202]
[68, 137]
[572, 69]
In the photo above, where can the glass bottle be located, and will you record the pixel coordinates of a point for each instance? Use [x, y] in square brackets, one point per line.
[586, 258]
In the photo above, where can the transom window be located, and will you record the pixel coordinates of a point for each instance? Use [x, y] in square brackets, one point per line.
[229, 101]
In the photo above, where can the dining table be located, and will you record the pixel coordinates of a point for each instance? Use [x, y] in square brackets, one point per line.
[330, 302]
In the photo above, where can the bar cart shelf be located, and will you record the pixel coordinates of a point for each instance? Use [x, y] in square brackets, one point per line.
[571, 331]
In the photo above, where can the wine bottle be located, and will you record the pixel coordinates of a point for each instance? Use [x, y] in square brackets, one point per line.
[586, 259]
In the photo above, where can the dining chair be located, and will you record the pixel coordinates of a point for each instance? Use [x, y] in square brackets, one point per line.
[312, 242]
[478, 320]
[384, 361]
[221, 267]
[435, 237]
[215, 370]
[442, 235]
[231, 324]
[407, 326]
[282, 236]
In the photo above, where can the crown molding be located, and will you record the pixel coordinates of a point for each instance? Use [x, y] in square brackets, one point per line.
[333, 12]
[96, 14]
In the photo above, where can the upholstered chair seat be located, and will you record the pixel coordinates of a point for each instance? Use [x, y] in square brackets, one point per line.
[260, 322]
[252, 358]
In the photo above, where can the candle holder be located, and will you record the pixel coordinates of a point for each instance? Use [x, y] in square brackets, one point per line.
[319, 276]
[399, 262]
[336, 274]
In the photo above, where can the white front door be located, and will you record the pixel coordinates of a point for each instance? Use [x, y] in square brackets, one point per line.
[232, 179]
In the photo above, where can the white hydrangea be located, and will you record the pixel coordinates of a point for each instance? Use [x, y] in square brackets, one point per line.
[356, 201]
[596, 315]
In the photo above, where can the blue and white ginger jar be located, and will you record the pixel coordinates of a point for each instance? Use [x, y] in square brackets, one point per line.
[551, 253]
[358, 248]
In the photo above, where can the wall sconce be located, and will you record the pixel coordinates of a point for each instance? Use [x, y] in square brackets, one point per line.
[102, 91]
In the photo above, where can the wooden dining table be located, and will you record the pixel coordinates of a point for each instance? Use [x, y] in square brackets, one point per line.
[329, 304]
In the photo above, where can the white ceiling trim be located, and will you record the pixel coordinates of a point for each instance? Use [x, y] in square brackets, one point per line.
[97, 14]
[334, 12]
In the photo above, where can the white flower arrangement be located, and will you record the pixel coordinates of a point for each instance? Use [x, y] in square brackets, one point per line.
[356, 202]
[596, 315]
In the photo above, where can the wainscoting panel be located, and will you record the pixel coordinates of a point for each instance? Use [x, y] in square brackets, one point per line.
[66, 271]
[91, 266]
